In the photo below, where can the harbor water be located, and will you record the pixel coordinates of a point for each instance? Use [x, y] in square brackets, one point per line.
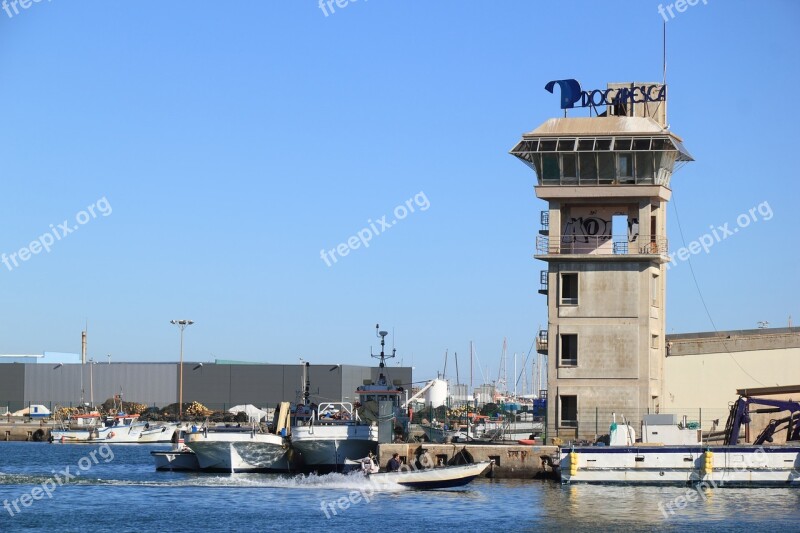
[115, 487]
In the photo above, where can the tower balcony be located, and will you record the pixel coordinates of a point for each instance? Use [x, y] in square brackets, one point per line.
[541, 342]
[608, 246]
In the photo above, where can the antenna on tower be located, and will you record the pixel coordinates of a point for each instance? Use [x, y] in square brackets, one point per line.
[664, 64]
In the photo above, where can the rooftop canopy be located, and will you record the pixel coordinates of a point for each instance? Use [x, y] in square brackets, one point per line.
[602, 151]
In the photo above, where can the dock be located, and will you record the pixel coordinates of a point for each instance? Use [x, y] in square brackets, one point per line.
[511, 461]
[25, 430]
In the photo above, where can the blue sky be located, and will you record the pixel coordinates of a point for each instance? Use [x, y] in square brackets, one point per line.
[234, 141]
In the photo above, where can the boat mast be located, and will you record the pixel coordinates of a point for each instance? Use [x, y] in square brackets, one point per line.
[383, 357]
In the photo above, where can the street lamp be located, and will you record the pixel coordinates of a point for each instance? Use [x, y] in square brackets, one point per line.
[91, 382]
[183, 324]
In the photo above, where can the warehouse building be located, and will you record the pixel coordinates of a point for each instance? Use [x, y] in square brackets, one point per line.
[219, 385]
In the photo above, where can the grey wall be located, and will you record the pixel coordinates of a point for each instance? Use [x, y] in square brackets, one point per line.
[12, 386]
[150, 383]
[215, 386]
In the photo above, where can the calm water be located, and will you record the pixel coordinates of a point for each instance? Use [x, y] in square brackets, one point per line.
[127, 494]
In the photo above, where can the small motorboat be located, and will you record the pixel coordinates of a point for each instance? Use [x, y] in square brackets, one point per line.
[176, 460]
[444, 477]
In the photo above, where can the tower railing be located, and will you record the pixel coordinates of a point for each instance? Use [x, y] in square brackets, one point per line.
[601, 245]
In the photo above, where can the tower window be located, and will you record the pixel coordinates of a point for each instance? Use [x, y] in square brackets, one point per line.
[625, 167]
[568, 411]
[644, 167]
[569, 289]
[569, 166]
[588, 170]
[605, 165]
[568, 354]
[550, 171]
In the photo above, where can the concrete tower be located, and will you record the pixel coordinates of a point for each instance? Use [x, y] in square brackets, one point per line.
[606, 179]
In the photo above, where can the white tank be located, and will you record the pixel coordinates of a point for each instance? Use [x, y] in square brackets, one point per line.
[437, 394]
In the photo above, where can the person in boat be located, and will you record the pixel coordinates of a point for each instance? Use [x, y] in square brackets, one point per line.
[394, 463]
[368, 466]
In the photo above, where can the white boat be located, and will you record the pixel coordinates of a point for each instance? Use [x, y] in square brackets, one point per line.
[78, 428]
[122, 428]
[161, 432]
[445, 477]
[238, 450]
[242, 449]
[336, 431]
[713, 465]
[675, 454]
[333, 434]
[176, 460]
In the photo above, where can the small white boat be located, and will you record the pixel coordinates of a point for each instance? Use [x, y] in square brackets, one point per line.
[78, 428]
[121, 429]
[238, 450]
[176, 460]
[161, 432]
[243, 449]
[445, 477]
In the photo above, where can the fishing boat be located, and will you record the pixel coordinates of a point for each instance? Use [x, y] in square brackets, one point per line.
[671, 453]
[333, 433]
[160, 432]
[242, 449]
[336, 431]
[122, 428]
[77, 428]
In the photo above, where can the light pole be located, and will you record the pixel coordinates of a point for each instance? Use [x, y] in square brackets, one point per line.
[91, 382]
[183, 324]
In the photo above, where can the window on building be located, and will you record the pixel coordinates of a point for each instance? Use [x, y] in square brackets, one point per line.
[550, 170]
[569, 288]
[654, 341]
[605, 166]
[588, 169]
[569, 168]
[569, 349]
[644, 167]
[625, 167]
[568, 412]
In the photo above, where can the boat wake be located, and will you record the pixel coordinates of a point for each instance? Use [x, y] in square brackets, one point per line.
[352, 481]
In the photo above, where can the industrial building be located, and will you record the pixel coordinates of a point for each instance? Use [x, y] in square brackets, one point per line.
[706, 372]
[218, 385]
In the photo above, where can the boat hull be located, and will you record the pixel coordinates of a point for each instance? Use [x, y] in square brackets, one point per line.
[683, 465]
[239, 452]
[175, 460]
[70, 435]
[325, 449]
[118, 434]
[162, 433]
[434, 478]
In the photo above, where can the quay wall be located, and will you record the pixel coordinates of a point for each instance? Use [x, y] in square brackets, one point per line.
[511, 461]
